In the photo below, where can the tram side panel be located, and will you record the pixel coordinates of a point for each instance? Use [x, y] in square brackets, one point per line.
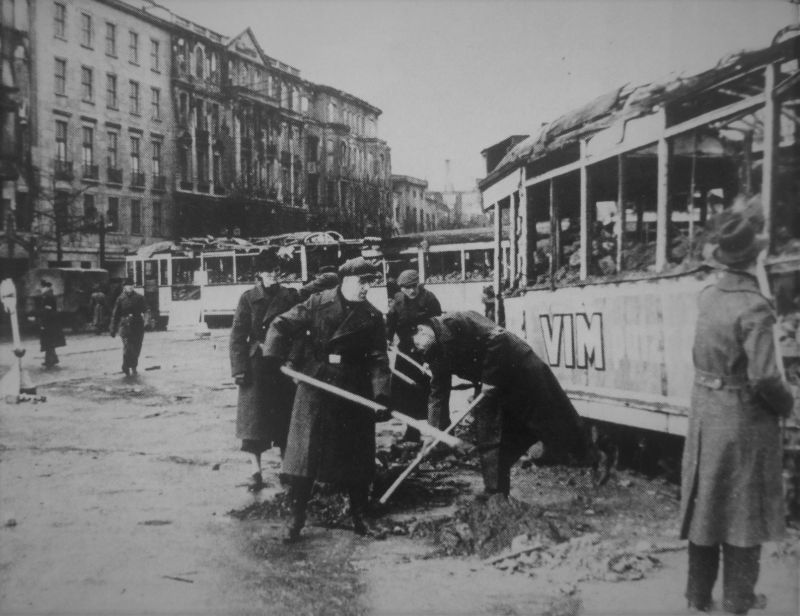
[622, 351]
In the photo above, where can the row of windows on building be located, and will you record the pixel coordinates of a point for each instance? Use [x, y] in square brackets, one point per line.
[112, 90]
[87, 37]
[89, 168]
[135, 218]
[417, 220]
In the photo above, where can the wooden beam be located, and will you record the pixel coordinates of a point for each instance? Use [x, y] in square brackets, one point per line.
[771, 124]
[662, 203]
[620, 208]
[555, 234]
[584, 214]
[524, 240]
[513, 210]
[498, 236]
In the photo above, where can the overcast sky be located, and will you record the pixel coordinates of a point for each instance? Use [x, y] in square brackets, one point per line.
[454, 76]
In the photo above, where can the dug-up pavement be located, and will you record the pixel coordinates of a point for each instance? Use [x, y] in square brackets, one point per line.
[116, 496]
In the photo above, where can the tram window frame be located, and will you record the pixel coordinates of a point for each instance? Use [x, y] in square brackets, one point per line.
[179, 273]
[221, 275]
[163, 272]
[488, 264]
[453, 273]
[245, 273]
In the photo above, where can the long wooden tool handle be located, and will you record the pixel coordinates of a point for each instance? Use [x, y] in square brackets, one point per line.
[424, 452]
[422, 426]
[413, 362]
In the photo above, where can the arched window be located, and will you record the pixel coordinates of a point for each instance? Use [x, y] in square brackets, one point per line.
[199, 61]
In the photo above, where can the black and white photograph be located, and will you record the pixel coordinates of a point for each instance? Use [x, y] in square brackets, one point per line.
[399, 307]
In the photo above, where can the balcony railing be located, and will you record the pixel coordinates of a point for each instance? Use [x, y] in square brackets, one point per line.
[62, 170]
[90, 172]
[114, 175]
[159, 182]
[137, 180]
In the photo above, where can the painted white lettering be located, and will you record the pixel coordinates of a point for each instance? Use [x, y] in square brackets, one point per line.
[551, 334]
[589, 341]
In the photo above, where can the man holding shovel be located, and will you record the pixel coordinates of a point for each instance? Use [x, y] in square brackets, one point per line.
[331, 439]
[521, 403]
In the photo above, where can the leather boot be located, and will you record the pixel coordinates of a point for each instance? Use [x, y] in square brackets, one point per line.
[299, 495]
[359, 499]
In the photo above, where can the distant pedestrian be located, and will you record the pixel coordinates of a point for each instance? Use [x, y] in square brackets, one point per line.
[97, 304]
[128, 318]
[51, 336]
[264, 405]
[489, 300]
[731, 491]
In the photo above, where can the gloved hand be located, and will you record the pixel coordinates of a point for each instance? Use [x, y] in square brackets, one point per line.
[240, 379]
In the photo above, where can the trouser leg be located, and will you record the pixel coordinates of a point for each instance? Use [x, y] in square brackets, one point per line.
[299, 495]
[359, 501]
[739, 576]
[703, 568]
[50, 357]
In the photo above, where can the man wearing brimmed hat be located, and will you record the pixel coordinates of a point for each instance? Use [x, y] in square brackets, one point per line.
[128, 318]
[330, 439]
[410, 306]
[731, 492]
[264, 404]
[51, 336]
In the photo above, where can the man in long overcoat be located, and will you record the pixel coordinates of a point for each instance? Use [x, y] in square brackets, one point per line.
[128, 318]
[731, 482]
[412, 305]
[523, 401]
[51, 336]
[265, 395]
[330, 439]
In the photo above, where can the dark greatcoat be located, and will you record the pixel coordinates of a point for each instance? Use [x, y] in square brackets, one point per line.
[128, 319]
[406, 313]
[403, 317]
[265, 399]
[331, 439]
[526, 403]
[731, 483]
[50, 333]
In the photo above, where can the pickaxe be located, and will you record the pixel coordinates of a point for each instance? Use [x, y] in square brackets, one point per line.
[423, 426]
[426, 450]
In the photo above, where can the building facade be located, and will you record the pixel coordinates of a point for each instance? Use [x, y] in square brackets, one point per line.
[415, 208]
[127, 124]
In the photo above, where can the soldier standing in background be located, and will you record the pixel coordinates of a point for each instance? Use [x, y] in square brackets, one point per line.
[128, 318]
[51, 335]
[265, 396]
[731, 492]
[412, 305]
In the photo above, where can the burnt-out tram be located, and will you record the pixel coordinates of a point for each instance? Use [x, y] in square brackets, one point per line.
[610, 211]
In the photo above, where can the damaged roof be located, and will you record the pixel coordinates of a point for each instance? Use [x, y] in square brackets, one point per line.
[627, 102]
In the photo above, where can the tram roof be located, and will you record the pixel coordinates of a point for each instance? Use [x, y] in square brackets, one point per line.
[630, 101]
[443, 236]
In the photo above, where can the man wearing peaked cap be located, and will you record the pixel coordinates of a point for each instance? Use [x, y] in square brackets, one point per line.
[731, 492]
[265, 394]
[330, 439]
[128, 318]
[411, 305]
[358, 267]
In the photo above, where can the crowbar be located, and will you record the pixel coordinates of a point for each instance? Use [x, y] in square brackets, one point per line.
[425, 451]
[423, 426]
[424, 369]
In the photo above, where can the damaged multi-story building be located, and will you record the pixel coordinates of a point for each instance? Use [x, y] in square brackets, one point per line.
[133, 125]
